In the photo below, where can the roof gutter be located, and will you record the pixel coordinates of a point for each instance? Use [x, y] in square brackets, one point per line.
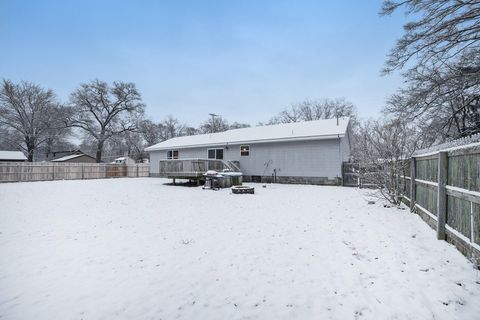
[306, 138]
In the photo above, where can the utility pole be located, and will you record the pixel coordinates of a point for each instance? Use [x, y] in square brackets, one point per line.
[213, 115]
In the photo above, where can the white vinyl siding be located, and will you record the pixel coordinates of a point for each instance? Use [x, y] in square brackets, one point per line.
[315, 158]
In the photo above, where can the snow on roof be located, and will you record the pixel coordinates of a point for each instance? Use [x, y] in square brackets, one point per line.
[73, 156]
[12, 155]
[120, 159]
[317, 129]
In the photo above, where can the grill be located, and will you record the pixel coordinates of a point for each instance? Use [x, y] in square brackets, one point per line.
[212, 179]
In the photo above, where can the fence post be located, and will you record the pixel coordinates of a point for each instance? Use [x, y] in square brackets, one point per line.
[83, 171]
[442, 194]
[53, 172]
[397, 182]
[412, 183]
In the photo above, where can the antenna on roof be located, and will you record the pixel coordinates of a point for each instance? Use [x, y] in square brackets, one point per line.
[213, 115]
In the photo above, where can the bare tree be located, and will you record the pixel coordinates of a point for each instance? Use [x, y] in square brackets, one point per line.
[135, 145]
[214, 124]
[442, 30]
[440, 55]
[88, 144]
[381, 150]
[238, 125]
[104, 111]
[152, 132]
[29, 115]
[57, 135]
[171, 128]
[219, 124]
[128, 143]
[442, 99]
[315, 110]
[292, 114]
[156, 132]
[189, 131]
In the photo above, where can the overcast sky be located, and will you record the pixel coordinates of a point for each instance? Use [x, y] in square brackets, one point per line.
[245, 60]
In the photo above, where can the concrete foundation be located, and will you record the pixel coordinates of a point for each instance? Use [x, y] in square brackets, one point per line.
[294, 180]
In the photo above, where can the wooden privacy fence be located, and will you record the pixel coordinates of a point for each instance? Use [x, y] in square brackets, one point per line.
[43, 171]
[444, 189]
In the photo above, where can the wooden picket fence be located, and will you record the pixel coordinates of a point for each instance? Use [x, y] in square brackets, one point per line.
[444, 189]
[44, 171]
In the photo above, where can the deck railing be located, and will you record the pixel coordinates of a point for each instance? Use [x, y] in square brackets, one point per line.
[192, 168]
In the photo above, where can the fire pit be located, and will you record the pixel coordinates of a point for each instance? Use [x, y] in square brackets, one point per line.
[243, 189]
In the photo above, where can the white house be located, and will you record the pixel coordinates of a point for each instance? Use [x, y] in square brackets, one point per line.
[303, 152]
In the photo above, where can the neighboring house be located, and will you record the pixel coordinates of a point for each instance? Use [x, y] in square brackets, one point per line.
[76, 158]
[12, 156]
[123, 160]
[60, 154]
[303, 152]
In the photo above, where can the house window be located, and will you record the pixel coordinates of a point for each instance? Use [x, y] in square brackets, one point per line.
[211, 154]
[172, 154]
[215, 154]
[244, 151]
[219, 154]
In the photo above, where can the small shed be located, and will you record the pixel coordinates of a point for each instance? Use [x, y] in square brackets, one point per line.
[76, 158]
[12, 156]
[123, 160]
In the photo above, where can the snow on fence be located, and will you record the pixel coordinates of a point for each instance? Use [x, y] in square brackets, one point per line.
[43, 171]
[444, 189]
[451, 144]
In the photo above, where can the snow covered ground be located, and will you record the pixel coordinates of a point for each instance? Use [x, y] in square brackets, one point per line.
[139, 249]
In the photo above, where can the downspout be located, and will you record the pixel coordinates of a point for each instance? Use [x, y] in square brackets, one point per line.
[340, 157]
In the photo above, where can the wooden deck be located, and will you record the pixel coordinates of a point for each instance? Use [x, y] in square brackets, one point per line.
[193, 168]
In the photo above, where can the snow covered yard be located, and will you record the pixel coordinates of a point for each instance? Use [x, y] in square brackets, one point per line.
[139, 249]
